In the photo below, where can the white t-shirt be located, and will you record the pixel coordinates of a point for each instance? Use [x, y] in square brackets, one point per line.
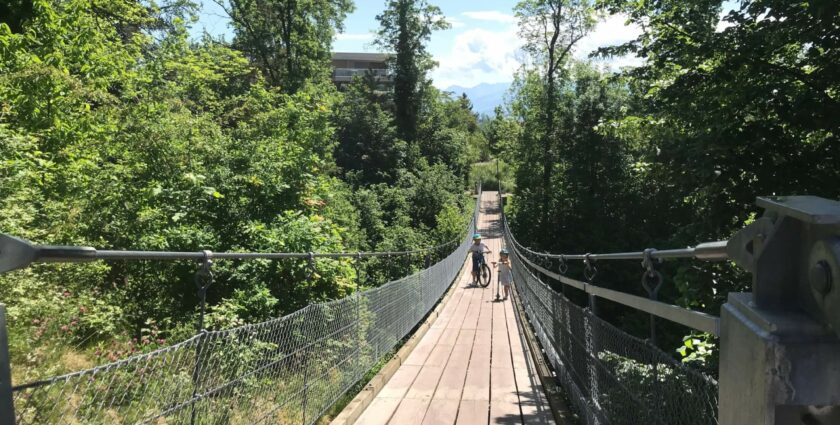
[480, 248]
[505, 274]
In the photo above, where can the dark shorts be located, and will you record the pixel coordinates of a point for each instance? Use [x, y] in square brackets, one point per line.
[477, 261]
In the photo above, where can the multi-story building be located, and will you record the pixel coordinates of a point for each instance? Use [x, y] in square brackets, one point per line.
[347, 65]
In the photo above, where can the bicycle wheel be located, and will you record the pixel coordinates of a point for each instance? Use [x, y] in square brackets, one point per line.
[485, 276]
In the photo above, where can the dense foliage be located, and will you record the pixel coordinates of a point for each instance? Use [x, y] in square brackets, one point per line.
[405, 28]
[727, 106]
[119, 131]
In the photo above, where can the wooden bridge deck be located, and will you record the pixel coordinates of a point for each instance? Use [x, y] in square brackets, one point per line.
[471, 366]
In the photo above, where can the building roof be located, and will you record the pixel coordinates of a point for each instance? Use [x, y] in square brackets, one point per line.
[373, 57]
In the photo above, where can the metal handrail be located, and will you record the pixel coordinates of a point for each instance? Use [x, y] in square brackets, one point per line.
[693, 319]
[16, 253]
[707, 251]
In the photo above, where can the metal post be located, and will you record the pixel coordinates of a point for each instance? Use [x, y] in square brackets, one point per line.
[305, 383]
[589, 273]
[357, 300]
[498, 177]
[652, 282]
[590, 330]
[780, 359]
[203, 280]
[7, 402]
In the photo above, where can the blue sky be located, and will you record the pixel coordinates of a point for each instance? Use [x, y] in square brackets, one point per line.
[481, 47]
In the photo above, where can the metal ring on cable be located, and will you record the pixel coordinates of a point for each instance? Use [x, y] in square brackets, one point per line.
[651, 278]
[204, 275]
[589, 271]
[311, 269]
[652, 281]
[563, 267]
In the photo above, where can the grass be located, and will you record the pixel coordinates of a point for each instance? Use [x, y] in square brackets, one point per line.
[486, 173]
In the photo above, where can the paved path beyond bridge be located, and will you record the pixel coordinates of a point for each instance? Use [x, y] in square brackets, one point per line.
[471, 367]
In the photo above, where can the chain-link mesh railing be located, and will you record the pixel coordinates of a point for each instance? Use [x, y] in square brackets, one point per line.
[288, 370]
[611, 377]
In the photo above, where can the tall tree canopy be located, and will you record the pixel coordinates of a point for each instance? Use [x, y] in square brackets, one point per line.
[551, 28]
[119, 130]
[290, 40]
[725, 106]
[405, 28]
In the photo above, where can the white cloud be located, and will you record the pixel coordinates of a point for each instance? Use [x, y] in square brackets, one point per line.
[611, 31]
[490, 15]
[352, 36]
[479, 56]
[455, 22]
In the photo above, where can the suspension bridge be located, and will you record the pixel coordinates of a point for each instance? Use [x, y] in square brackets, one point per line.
[448, 352]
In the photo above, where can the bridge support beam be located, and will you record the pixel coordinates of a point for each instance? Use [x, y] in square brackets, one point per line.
[780, 350]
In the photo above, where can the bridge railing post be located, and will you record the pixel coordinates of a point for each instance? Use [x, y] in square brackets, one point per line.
[780, 351]
[7, 403]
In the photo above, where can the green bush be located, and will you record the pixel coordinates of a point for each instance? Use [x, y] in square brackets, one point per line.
[485, 172]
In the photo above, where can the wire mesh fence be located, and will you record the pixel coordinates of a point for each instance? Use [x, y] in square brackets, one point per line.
[611, 377]
[288, 370]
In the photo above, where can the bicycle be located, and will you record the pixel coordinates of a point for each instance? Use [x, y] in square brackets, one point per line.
[484, 274]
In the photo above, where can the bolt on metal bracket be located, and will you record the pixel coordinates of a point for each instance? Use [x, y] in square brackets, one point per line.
[780, 344]
[793, 252]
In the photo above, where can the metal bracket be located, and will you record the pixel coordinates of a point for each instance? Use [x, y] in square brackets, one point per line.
[793, 252]
[16, 253]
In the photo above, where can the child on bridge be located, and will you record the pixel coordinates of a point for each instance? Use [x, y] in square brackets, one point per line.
[505, 271]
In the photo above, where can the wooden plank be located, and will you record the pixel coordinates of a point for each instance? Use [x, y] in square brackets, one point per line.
[465, 337]
[485, 315]
[449, 336]
[501, 353]
[426, 382]
[504, 412]
[451, 383]
[410, 411]
[477, 382]
[399, 384]
[441, 412]
[483, 337]
[439, 355]
[473, 412]
[471, 318]
[503, 385]
[461, 312]
[379, 412]
[450, 306]
[420, 353]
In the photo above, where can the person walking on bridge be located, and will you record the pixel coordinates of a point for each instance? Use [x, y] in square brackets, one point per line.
[505, 271]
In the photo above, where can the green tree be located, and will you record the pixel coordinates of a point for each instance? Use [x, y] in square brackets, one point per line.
[730, 110]
[118, 130]
[289, 40]
[368, 150]
[551, 28]
[502, 134]
[405, 28]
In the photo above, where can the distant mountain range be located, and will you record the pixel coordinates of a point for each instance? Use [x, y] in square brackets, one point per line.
[484, 97]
